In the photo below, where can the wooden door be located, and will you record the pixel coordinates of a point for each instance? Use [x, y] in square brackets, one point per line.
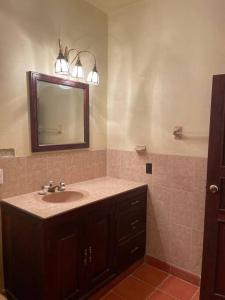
[213, 271]
[67, 264]
[100, 248]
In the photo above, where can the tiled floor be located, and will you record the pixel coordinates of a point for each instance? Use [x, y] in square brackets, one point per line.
[150, 283]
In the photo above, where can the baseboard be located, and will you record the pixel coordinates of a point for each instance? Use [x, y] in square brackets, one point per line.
[185, 275]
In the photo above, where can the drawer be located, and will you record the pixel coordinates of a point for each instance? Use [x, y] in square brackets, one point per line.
[130, 222]
[132, 199]
[131, 251]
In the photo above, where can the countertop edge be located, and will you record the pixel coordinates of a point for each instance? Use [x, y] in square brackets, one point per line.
[42, 218]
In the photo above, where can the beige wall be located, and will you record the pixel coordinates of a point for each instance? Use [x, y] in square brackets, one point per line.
[162, 55]
[28, 41]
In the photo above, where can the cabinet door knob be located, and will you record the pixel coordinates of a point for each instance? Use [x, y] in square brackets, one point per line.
[214, 189]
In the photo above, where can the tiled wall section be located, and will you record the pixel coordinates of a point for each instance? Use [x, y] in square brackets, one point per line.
[176, 192]
[175, 204]
[27, 174]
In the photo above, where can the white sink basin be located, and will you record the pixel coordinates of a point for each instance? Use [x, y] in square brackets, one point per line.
[67, 196]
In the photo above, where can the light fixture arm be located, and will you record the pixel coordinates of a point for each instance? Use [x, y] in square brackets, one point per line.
[71, 50]
[84, 51]
[66, 51]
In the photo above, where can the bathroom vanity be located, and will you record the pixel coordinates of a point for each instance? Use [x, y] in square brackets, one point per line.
[69, 249]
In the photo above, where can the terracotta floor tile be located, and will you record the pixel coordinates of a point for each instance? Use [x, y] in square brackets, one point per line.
[178, 288]
[196, 296]
[112, 296]
[150, 274]
[157, 295]
[133, 289]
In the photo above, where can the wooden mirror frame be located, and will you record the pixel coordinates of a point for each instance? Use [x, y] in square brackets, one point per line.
[33, 77]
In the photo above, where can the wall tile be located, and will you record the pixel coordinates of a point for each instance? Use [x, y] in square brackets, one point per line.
[181, 246]
[196, 251]
[176, 203]
[198, 219]
[159, 245]
[27, 174]
[36, 173]
[181, 208]
[15, 179]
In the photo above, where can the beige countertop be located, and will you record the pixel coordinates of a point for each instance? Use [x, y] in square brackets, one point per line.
[93, 190]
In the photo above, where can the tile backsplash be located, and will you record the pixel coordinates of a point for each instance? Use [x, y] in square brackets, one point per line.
[28, 174]
[176, 202]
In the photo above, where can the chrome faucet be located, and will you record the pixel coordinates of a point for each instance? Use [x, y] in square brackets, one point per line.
[53, 188]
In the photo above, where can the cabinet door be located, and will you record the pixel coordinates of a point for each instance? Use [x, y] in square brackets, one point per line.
[67, 257]
[101, 234]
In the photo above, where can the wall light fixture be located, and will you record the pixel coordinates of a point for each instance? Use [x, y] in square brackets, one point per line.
[74, 68]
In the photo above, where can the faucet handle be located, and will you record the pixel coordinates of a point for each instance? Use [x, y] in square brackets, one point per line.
[44, 190]
[62, 186]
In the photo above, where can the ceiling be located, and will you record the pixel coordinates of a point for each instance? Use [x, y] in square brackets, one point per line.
[109, 6]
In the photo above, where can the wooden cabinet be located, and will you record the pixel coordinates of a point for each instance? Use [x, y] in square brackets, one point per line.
[130, 228]
[71, 255]
[64, 258]
[100, 243]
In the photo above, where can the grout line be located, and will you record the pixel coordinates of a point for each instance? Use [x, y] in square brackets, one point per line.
[104, 296]
[189, 283]
[148, 297]
[155, 288]
[163, 292]
[166, 293]
[142, 281]
[164, 280]
[117, 294]
[195, 294]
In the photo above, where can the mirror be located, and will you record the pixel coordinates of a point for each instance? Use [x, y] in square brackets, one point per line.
[59, 113]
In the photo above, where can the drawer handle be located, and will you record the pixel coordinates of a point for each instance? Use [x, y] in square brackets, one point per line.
[90, 255]
[135, 202]
[135, 222]
[85, 256]
[135, 249]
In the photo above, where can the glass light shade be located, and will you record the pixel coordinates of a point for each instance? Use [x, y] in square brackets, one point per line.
[77, 72]
[93, 77]
[61, 66]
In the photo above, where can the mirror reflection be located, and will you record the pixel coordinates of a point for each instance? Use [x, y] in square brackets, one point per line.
[60, 114]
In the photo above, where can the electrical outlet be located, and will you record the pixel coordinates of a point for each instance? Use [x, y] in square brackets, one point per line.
[1, 176]
[148, 168]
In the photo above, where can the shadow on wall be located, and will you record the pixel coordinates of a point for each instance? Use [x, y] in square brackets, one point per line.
[158, 240]
[155, 85]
